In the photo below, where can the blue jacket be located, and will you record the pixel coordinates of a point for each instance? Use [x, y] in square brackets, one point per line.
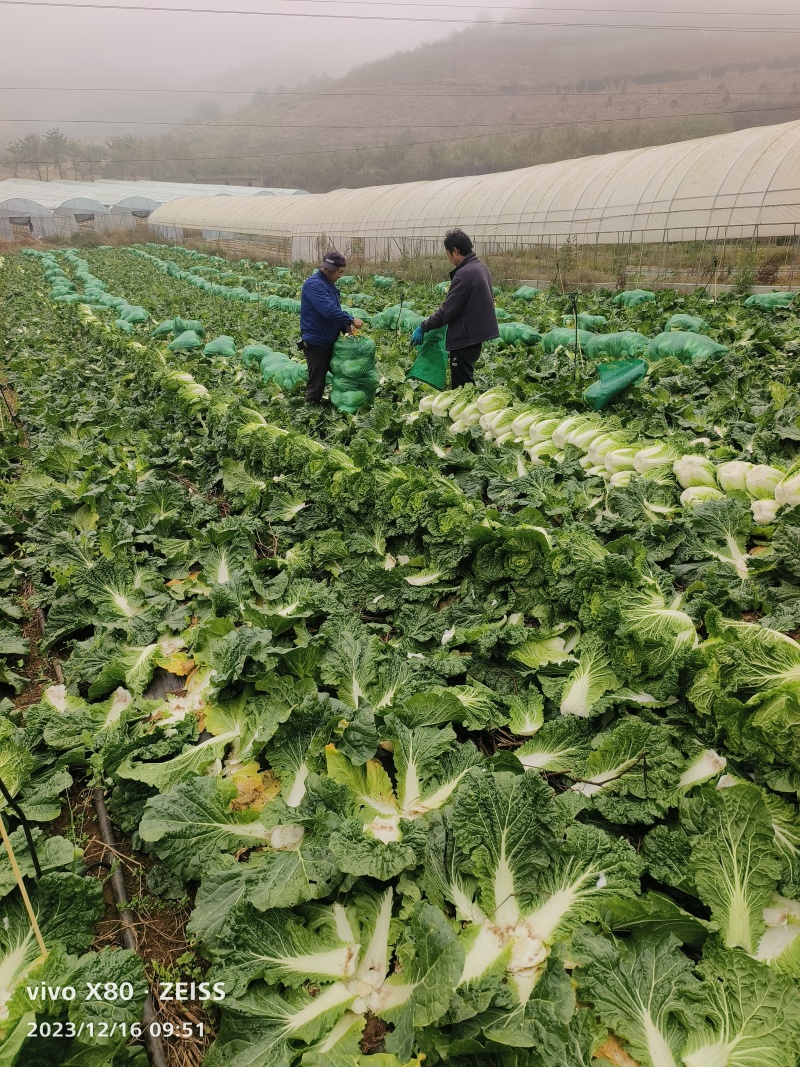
[321, 315]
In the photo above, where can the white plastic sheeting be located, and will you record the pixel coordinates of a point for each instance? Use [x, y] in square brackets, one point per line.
[20, 217]
[735, 185]
[110, 192]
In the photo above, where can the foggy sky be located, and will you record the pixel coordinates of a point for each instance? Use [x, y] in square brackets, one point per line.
[50, 47]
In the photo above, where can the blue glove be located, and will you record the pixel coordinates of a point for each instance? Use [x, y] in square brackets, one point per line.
[417, 335]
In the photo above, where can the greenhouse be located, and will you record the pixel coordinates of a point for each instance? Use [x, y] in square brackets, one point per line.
[730, 187]
[107, 204]
[20, 217]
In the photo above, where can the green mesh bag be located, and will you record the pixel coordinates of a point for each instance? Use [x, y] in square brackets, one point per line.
[273, 303]
[395, 317]
[351, 391]
[502, 315]
[430, 366]
[382, 282]
[613, 379]
[287, 377]
[634, 297]
[360, 299]
[625, 344]
[585, 321]
[357, 313]
[527, 292]
[289, 304]
[121, 324]
[134, 314]
[220, 346]
[562, 336]
[442, 287]
[687, 347]
[770, 301]
[185, 342]
[189, 324]
[519, 333]
[686, 323]
[254, 354]
[347, 280]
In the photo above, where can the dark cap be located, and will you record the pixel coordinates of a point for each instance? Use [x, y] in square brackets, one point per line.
[333, 260]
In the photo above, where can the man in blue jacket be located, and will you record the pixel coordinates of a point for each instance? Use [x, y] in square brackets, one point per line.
[322, 320]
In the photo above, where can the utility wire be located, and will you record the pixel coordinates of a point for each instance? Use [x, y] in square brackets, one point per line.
[400, 126]
[393, 94]
[72, 4]
[269, 154]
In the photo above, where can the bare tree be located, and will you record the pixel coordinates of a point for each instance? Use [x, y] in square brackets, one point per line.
[56, 145]
[28, 152]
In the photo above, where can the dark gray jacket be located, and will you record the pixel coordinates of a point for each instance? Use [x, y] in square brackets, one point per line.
[468, 309]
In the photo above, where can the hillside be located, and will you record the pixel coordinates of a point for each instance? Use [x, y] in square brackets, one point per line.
[473, 103]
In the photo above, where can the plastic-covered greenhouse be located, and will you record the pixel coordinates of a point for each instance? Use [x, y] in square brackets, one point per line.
[20, 217]
[106, 203]
[738, 185]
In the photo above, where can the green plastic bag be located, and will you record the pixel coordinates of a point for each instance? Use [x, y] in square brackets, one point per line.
[185, 342]
[431, 363]
[220, 346]
[351, 392]
[382, 282]
[515, 333]
[686, 323]
[770, 301]
[613, 379]
[527, 292]
[634, 297]
[562, 336]
[254, 354]
[585, 321]
[687, 347]
[625, 344]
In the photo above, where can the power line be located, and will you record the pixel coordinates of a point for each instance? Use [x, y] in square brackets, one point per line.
[73, 4]
[393, 94]
[268, 154]
[383, 126]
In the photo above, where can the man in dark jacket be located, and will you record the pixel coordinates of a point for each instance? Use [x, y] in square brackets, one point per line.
[322, 320]
[468, 309]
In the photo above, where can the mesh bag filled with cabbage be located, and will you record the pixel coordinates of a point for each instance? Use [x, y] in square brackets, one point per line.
[382, 282]
[632, 298]
[254, 354]
[354, 376]
[613, 379]
[585, 321]
[770, 301]
[185, 342]
[515, 333]
[627, 344]
[527, 292]
[397, 317]
[687, 323]
[561, 336]
[687, 347]
[220, 346]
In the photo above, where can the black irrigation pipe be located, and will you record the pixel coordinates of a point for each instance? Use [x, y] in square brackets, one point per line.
[150, 1036]
[26, 828]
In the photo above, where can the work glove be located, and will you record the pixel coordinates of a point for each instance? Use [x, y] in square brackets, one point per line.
[417, 335]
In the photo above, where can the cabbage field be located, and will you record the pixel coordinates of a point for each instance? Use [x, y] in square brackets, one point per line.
[468, 725]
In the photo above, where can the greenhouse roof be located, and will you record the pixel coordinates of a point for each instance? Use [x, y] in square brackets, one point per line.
[734, 183]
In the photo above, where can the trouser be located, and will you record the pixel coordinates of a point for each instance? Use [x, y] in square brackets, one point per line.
[318, 360]
[462, 365]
